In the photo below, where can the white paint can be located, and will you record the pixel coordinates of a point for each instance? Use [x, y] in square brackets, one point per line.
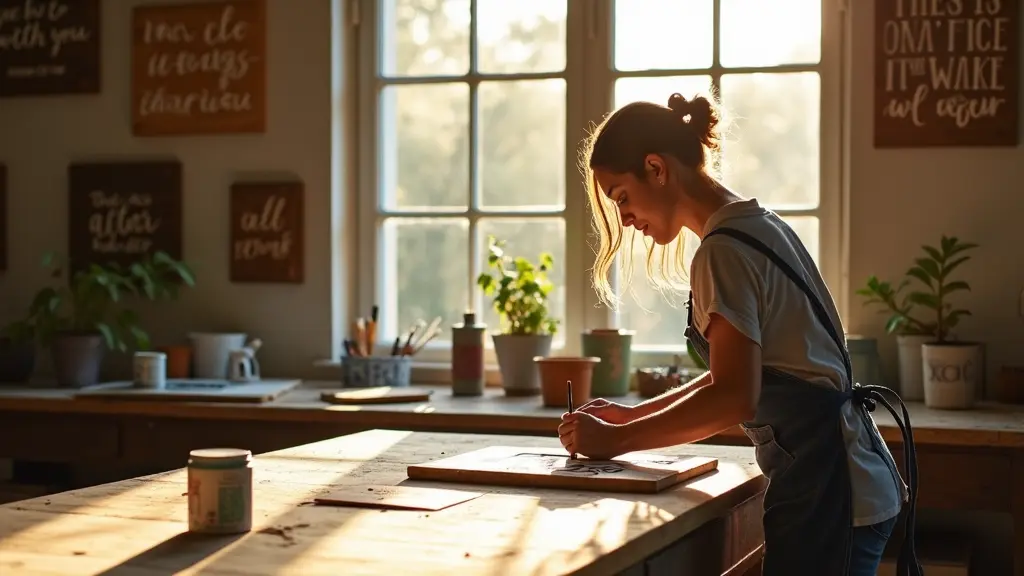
[220, 491]
[149, 370]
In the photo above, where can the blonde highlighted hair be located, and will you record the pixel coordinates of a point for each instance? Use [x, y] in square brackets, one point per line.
[684, 129]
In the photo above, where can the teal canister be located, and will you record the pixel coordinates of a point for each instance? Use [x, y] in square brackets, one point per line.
[468, 377]
[611, 374]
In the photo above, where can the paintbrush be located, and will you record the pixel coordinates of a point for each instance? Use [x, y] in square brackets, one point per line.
[424, 341]
[427, 334]
[371, 329]
[407, 348]
[568, 388]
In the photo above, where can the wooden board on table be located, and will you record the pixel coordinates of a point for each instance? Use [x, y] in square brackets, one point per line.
[194, 390]
[376, 395]
[522, 466]
[396, 497]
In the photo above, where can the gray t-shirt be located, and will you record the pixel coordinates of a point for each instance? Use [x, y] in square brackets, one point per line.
[742, 285]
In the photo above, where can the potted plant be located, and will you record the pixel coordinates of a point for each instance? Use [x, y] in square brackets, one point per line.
[952, 368]
[79, 317]
[17, 352]
[911, 333]
[519, 292]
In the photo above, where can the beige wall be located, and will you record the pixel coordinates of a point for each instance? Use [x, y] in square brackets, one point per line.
[898, 198]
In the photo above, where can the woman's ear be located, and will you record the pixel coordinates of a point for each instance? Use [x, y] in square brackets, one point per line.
[655, 167]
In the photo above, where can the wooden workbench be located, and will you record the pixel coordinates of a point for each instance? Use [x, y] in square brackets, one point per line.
[710, 525]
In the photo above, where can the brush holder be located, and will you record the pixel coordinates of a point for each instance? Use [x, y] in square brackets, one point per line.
[373, 371]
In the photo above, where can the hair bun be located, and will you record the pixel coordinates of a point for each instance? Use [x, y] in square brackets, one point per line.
[699, 115]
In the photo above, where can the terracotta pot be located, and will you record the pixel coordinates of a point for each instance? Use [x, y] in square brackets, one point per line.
[179, 360]
[557, 371]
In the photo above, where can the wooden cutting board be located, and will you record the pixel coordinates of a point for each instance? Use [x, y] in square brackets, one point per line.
[376, 395]
[194, 390]
[513, 466]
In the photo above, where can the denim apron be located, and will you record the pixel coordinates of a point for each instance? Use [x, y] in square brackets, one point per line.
[799, 446]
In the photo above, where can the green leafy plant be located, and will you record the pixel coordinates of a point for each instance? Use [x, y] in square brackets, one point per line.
[933, 271]
[19, 331]
[519, 290]
[89, 301]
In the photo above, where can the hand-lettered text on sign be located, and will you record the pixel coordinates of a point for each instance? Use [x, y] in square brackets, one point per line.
[120, 212]
[49, 47]
[267, 232]
[946, 72]
[199, 68]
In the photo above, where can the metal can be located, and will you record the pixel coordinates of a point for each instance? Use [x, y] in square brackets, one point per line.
[220, 491]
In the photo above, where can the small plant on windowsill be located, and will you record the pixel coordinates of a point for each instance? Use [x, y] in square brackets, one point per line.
[519, 291]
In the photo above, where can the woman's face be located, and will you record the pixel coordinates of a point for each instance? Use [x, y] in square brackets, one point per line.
[647, 205]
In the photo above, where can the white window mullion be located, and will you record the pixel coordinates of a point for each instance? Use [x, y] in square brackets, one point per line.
[370, 120]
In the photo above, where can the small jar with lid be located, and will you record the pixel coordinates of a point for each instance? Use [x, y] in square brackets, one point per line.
[220, 491]
[468, 377]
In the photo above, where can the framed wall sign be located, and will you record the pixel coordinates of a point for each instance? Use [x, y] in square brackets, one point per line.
[267, 232]
[121, 211]
[946, 73]
[49, 47]
[199, 68]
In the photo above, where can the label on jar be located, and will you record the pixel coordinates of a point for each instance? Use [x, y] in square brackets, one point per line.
[220, 501]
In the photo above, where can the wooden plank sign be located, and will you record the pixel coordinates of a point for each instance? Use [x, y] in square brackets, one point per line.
[3, 217]
[267, 232]
[513, 466]
[49, 47]
[118, 212]
[199, 68]
[946, 73]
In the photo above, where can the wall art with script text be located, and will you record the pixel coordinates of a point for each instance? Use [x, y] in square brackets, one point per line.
[267, 232]
[199, 68]
[946, 72]
[119, 212]
[49, 47]
[3, 217]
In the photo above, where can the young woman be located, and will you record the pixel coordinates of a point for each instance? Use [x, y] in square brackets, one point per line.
[763, 320]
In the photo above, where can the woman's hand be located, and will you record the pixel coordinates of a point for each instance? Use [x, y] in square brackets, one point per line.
[591, 436]
[610, 412]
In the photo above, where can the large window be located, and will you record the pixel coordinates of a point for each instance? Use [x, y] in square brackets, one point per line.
[472, 112]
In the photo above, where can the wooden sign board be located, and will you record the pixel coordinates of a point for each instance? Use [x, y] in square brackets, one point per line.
[199, 68]
[49, 47]
[376, 395]
[396, 497]
[267, 232]
[946, 73]
[3, 217]
[512, 466]
[118, 212]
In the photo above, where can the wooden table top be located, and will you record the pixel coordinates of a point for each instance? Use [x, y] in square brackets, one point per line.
[990, 424]
[139, 526]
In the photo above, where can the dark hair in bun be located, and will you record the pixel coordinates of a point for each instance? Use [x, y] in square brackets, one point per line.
[700, 116]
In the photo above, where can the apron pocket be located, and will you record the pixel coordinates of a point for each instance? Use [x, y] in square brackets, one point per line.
[772, 459]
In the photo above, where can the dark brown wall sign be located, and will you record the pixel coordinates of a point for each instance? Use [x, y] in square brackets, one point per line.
[946, 72]
[199, 68]
[118, 212]
[3, 217]
[49, 47]
[267, 232]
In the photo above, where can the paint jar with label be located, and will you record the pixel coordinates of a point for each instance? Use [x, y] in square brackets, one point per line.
[220, 491]
[149, 370]
[468, 357]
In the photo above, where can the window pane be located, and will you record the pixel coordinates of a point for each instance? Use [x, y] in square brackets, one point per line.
[424, 37]
[522, 144]
[425, 147]
[520, 36]
[425, 264]
[772, 149]
[806, 227]
[663, 34]
[751, 32]
[527, 237]
[658, 89]
[659, 320]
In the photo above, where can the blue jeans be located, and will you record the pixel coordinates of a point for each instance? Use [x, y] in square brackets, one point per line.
[868, 545]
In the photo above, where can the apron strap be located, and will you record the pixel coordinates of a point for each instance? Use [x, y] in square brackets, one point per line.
[866, 396]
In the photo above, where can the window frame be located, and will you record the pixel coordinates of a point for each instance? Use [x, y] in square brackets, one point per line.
[590, 77]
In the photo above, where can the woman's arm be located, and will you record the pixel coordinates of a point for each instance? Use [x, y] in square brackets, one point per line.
[729, 399]
[670, 397]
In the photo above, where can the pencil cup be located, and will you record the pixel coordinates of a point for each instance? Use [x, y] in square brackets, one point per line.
[373, 371]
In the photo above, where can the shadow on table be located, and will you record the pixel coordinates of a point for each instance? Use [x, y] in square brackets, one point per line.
[175, 554]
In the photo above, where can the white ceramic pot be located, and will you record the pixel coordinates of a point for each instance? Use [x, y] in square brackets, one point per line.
[211, 352]
[952, 374]
[519, 373]
[911, 375]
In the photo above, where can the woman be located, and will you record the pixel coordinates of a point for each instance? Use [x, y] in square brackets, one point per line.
[763, 320]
